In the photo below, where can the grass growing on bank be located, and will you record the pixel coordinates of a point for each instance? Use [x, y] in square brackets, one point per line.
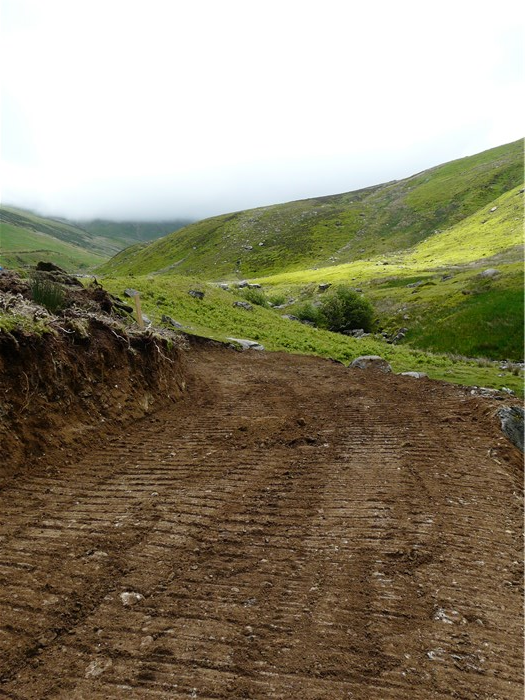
[215, 316]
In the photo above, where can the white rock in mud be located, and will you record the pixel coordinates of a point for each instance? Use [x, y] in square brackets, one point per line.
[131, 598]
[97, 667]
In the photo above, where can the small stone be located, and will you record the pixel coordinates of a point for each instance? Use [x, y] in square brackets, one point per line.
[97, 667]
[416, 375]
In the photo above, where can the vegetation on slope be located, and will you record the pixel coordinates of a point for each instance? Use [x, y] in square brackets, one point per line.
[437, 289]
[335, 229]
[215, 316]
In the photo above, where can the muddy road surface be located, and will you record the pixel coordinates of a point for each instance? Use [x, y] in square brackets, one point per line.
[289, 529]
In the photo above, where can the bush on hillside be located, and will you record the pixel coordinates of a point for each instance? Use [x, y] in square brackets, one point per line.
[306, 311]
[344, 310]
[256, 296]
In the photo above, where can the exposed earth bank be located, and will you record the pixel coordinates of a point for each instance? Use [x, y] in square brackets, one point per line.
[286, 527]
[70, 379]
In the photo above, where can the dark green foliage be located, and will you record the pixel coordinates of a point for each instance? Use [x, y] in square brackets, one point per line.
[306, 311]
[256, 296]
[47, 293]
[343, 310]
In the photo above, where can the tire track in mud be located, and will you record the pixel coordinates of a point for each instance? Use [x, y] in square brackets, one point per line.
[296, 530]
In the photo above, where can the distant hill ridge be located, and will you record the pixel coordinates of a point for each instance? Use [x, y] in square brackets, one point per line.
[329, 230]
[26, 237]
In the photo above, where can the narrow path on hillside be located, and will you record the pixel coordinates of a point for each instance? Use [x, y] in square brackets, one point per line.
[291, 529]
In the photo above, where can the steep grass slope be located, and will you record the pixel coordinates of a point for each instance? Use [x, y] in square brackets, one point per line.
[438, 289]
[335, 229]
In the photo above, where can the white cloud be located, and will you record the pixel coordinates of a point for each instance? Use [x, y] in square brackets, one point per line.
[209, 105]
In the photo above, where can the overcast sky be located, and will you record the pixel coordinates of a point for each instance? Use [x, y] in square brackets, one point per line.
[156, 109]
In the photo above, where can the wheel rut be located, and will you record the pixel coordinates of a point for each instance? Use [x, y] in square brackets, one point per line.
[289, 529]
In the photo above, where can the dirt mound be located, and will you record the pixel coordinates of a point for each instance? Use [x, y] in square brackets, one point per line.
[78, 374]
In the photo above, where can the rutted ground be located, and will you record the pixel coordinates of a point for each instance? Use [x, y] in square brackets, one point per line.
[289, 529]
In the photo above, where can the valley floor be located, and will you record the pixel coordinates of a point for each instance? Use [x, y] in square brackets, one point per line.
[289, 529]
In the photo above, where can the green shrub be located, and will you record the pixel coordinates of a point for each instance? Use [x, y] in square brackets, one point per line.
[342, 310]
[306, 311]
[256, 296]
[276, 299]
[47, 293]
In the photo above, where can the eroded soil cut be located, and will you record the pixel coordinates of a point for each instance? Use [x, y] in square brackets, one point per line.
[289, 528]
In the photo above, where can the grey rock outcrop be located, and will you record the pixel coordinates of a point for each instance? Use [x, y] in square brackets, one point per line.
[512, 418]
[371, 362]
[170, 321]
[247, 344]
[243, 305]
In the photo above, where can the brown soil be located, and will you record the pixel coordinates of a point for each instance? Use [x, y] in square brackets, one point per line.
[288, 529]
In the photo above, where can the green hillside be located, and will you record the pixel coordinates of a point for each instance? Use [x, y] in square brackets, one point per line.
[26, 240]
[26, 237]
[331, 230]
[437, 289]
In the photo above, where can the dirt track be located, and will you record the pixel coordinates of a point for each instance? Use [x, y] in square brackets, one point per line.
[294, 529]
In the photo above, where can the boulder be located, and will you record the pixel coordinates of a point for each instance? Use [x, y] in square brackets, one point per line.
[511, 418]
[490, 272]
[416, 375]
[243, 284]
[247, 344]
[243, 305]
[371, 362]
[196, 294]
[324, 286]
